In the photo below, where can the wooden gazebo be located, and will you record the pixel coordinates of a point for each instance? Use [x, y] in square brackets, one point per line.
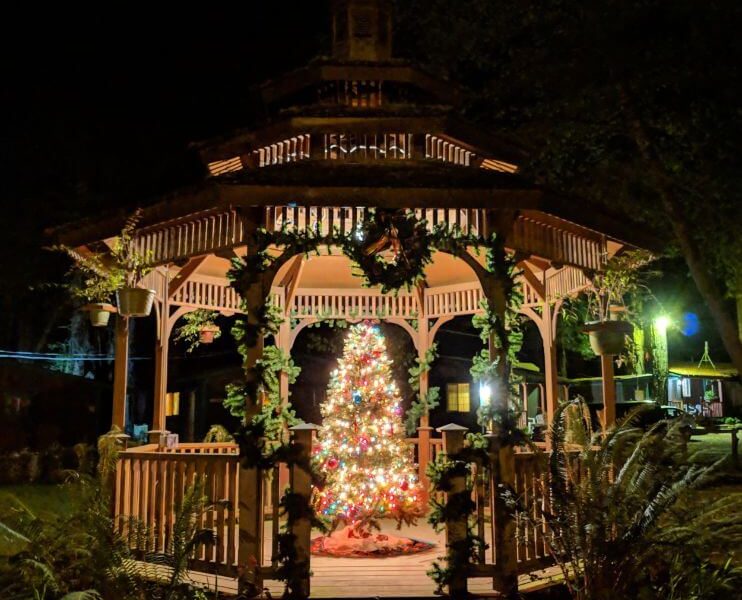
[345, 135]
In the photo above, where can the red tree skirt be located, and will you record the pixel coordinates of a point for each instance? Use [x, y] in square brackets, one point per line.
[349, 543]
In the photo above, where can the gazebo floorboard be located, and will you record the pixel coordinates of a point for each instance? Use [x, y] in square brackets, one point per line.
[388, 577]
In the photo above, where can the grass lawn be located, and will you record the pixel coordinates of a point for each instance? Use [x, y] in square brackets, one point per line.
[711, 446]
[46, 501]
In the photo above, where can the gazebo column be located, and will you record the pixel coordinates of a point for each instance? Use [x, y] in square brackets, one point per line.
[162, 344]
[608, 415]
[424, 430]
[283, 342]
[548, 329]
[250, 480]
[120, 372]
[546, 321]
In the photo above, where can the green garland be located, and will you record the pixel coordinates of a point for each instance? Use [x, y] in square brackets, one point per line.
[508, 337]
[441, 472]
[383, 229]
[257, 451]
[423, 403]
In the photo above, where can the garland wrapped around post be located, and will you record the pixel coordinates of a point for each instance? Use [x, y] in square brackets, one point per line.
[423, 402]
[459, 504]
[411, 246]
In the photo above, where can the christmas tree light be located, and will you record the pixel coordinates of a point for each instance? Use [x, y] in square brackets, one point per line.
[368, 467]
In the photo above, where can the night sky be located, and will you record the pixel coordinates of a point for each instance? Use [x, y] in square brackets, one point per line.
[99, 108]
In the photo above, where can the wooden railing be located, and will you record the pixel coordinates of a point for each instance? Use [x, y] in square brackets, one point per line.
[530, 486]
[199, 293]
[150, 485]
[151, 482]
[352, 304]
[210, 232]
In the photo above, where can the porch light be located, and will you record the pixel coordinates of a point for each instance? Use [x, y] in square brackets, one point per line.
[662, 323]
[485, 394]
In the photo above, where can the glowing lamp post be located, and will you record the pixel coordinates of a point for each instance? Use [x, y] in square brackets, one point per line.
[661, 324]
[660, 354]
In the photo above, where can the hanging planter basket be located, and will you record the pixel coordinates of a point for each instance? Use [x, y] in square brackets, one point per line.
[135, 302]
[207, 334]
[608, 337]
[99, 313]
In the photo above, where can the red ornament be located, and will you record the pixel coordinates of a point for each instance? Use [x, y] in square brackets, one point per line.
[332, 463]
[405, 486]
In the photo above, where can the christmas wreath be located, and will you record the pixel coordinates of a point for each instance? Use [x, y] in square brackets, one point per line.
[391, 248]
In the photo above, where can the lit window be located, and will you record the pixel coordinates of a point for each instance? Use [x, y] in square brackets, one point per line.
[172, 404]
[685, 387]
[457, 397]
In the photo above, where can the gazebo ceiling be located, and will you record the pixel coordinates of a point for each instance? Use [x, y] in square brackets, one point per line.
[336, 271]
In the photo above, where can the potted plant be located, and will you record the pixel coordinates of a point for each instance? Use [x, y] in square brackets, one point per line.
[97, 277]
[94, 284]
[199, 327]
[132, 301]
[607, 298]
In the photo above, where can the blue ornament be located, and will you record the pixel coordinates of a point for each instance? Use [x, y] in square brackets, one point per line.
[356, 396]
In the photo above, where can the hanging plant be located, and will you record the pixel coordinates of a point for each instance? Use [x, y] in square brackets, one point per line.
[132, 301]
[95, 278]
[391, 249]
[609, 297]
[92, 283]
[199, 327]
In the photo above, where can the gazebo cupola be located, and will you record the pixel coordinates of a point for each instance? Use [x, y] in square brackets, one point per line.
[361, 30]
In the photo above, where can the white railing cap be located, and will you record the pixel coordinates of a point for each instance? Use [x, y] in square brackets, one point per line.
[304, 427]
[452, 427]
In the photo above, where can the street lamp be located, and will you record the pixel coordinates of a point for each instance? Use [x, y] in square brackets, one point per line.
[660, 354]
[662, 323]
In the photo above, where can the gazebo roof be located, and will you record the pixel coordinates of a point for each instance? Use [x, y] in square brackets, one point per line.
[362, 129]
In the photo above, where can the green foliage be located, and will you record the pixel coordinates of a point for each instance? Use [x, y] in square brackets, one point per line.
[624, 508]
[570, 335]
[506, 335]
[126, 257]
[82, 555]
[618, 284]
[273, 412]
[194, 322]
[441, 472]
[218, 434]
[90, 280]
[399, 230]
[96, 277]
[423, 403]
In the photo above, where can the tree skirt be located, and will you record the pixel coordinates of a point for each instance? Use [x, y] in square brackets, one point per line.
[350, 543]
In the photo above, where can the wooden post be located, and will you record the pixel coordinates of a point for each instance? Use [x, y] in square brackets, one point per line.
[424, 430]
[250, 509]
[162, 347]
[735, 447]
[283, 341]
[453, 442]
[608, 417]
[548, 336]
[120, 372]
[502, 463]
[191, 423]
[301, 483]
[158, 409]
[423, 452]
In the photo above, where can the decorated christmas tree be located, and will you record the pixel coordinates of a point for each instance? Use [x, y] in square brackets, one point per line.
[367, 466]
